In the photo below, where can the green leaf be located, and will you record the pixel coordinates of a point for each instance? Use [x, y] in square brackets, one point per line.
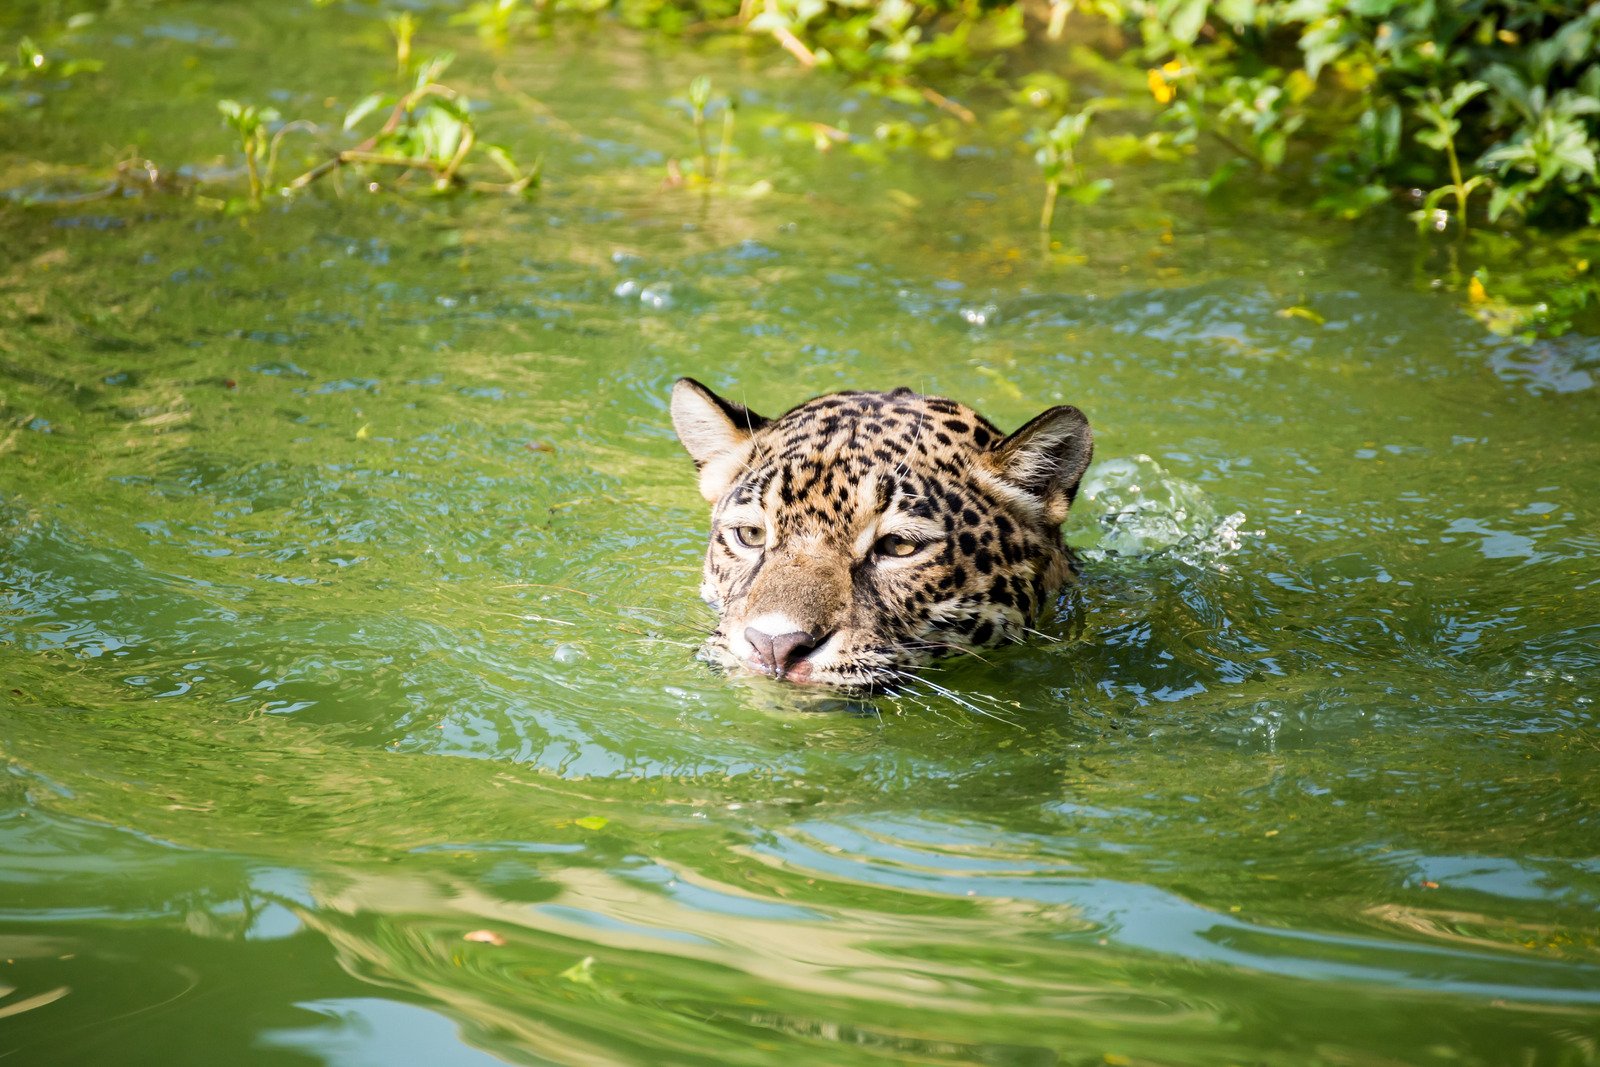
[1436, 139]
[503, 160]
[768, 21]
[1088, 194]
[1381, 128]
[433, 68]
[1461, 95]
[581, 972]
[1304, 11]
[1273, 146]
[1238, 13]
[1510, 87]
[1187, 18]
[364, 107]
[1506, 196]
[1322, 43]
[700, 92]
[458, 108]
[441, 133]
[1589, 84]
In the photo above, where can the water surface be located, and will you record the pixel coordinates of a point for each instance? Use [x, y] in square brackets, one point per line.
[347, 608]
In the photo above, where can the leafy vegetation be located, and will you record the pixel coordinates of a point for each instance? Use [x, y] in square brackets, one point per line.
[1057, 157]
[1482, 118]
[429, 129]
[1383, 95]
[23, 79]
[1472, 114]
[1369, 97]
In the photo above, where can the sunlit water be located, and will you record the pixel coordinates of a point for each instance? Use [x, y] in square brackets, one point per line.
[347, 608]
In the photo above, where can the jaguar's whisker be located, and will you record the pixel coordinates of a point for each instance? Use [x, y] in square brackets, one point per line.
[960, 650]
[911, 696]
[952, 695]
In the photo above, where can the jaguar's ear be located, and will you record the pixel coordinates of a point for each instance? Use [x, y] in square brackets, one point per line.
[715, 432]
[1047, 458]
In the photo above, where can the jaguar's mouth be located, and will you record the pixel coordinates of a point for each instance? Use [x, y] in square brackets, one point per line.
[801, 673]
[846, 678]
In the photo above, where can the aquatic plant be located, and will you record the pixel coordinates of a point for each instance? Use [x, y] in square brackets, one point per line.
[495, 20]
[34, 68]
[699, 97]
[403, 26]
[250, 123]
[1507, 93]
[429, 128]
[1057, 157]
[711, 168]
[1440, 113]
[1469, 116]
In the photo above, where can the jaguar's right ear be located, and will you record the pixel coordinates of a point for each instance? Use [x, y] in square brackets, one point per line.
[715, 432]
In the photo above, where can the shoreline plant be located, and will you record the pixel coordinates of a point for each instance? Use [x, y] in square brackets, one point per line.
[1481, 119]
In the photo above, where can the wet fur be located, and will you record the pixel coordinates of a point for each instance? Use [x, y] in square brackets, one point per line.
[831, 477]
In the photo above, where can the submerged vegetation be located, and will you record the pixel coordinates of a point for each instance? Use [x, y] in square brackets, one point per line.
[1480, 120]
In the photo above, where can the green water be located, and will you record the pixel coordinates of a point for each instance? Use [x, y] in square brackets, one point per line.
[348, 576]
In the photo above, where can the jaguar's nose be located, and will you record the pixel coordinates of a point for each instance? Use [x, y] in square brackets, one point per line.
[781, 654]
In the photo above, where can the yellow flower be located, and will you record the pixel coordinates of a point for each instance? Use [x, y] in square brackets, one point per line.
[1476, 293]
[1159, 87]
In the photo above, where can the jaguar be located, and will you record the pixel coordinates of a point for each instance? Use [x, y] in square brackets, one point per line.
[862, 535]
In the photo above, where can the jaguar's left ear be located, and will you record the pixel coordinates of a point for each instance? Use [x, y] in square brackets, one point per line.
[715, 432]
[1047, 458]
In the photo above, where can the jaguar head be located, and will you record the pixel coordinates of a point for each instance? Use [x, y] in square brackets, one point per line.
[861, 535]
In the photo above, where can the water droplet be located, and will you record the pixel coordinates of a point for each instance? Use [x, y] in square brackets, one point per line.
[657, 297]
[980, 315]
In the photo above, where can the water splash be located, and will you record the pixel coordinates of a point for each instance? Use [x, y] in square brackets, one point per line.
[1144, 511]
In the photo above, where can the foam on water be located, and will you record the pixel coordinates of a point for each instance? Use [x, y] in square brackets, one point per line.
[1143, 510]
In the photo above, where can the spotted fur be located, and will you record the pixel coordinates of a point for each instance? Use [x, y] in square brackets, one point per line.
[861, 534]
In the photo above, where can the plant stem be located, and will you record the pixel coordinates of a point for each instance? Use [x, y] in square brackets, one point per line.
[378, 158]
[391, 124]
[356, 155]
[448, 175]
[1455, 178]
[944, 103]
[727, 140]
[250, 146]
[1047, 216]
[705, 149]
[277, 138]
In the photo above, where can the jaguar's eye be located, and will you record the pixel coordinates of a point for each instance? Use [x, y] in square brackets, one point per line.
[750, 536]
[895, 546]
